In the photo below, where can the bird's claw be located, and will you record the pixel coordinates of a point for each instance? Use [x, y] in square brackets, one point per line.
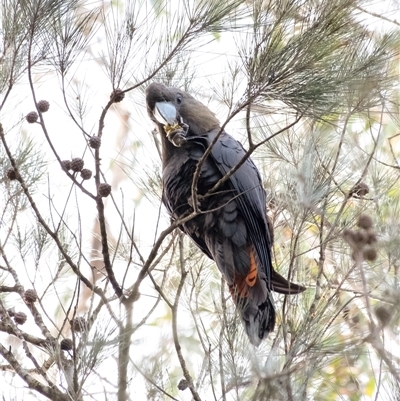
[177, 134]
[177, 138]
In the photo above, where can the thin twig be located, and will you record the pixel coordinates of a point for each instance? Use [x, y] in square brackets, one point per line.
[174, 312]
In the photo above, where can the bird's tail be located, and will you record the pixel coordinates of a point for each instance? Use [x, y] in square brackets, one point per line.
[258, 320]
[253, 298]
[256, 307]
[279, 284]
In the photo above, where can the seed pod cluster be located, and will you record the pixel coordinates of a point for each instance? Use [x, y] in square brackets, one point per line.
[19, 317]
[362, 241]
[32, 116]
[76, 165]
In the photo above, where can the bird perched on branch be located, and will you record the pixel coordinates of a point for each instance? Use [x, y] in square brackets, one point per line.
[231, 224]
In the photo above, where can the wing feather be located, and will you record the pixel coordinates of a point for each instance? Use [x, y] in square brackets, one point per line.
[247, 184]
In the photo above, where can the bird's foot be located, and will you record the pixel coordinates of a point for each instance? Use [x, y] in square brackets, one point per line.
[177, 135]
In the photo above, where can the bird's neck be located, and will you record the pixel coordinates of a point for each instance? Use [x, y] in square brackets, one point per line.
[168, 148]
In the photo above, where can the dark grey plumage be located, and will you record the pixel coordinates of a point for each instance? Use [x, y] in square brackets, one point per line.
[234, 233]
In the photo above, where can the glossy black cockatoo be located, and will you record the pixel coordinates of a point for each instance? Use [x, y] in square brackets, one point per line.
[232, 227]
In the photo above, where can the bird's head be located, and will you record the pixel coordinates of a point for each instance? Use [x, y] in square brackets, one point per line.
[170, 107]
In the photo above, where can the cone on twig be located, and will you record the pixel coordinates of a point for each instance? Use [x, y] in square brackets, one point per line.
[20, 317]
[30, 296]
[86, 174]
[66, 165]
[43, 105]
[95, 142]
[11, 174]
[32, 117]
[66, 344]
[77, 164]
[104, 190]
[362, 241]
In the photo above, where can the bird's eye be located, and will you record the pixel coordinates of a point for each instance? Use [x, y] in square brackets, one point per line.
[179, 99]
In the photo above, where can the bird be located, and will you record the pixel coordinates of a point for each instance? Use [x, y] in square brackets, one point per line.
[231, 225]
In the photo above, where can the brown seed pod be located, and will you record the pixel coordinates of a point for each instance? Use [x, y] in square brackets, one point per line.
[117, 95]
[77, 164]
[370, 253]
[383, 314]
[365, 222]
[20, 317]
[32, 117]
[66, 344]
[30, 296]
[95, 142]
[66, 165]
[86, 174]
[361, 189]
[11, 174]
[104, 190]
[183, 384]
[79, 324]
[43, 105]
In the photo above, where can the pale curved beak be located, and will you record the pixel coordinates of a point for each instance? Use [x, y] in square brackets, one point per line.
[165, 113]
